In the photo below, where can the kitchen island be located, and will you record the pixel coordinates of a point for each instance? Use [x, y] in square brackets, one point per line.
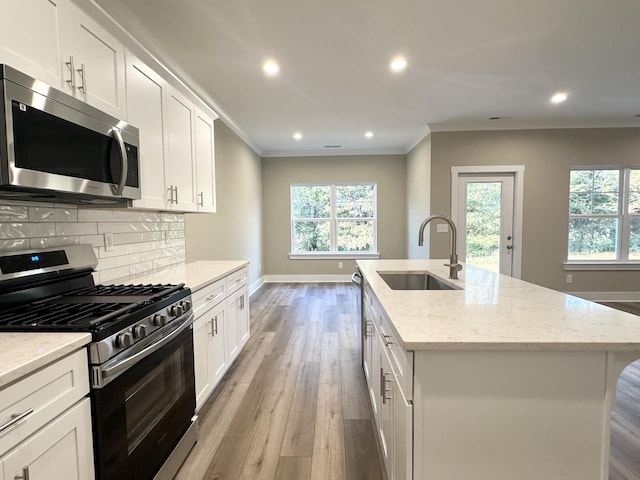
[496, 379]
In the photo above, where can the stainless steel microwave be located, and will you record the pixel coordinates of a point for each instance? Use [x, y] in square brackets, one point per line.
[54, 147]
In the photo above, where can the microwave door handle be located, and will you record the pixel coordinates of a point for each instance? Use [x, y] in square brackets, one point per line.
[124, 163]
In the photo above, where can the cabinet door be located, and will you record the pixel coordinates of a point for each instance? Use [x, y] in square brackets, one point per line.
[243, 317]
[205, 162]
[386, 426]
[29, 38]
[179, 137]
[402, 436]
[62, 450]
[217, 348]
[93, 62]
[234, 315]
[145, 102]
[201, 336]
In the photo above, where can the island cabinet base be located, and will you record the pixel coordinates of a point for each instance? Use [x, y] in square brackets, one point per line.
[501, 415]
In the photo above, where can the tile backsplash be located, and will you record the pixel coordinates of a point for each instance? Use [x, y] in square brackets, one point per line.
[142, 240]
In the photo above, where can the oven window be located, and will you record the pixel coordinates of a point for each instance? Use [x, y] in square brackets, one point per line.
[148, 401]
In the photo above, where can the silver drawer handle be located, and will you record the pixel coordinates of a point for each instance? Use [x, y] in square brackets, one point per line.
[15, 418]
[24, 476]
[386, 339]
[210, 297]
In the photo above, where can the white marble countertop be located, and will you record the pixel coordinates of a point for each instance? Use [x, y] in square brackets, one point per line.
[194, 275]
[496, 312]
[23, 353]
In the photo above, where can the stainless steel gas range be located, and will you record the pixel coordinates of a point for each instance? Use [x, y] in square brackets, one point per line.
[141, 354]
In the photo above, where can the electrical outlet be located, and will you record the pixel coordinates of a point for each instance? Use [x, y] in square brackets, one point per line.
[340, 265]
[569, 278]
[442, 228]
[108, 241]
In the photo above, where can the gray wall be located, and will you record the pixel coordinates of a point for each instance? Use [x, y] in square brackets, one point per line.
[388, 171]
[547, 156]
[234, 232]
[418, 196]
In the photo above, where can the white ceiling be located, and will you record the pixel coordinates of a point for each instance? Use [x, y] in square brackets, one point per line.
[468, 60]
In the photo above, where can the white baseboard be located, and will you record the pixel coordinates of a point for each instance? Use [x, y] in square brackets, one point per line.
[608, 296]
[307, 278]
[255, 286]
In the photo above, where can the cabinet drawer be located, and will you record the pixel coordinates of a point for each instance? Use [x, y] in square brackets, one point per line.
[237, 279]
[46, 394]
[401, 360]
[209, 296]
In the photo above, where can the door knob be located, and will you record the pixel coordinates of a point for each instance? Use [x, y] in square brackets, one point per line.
[509, 247]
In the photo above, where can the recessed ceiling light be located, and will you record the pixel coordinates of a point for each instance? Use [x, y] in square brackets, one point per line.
[297, 135]
[369, 134]
[559, 97]
[271, 68]
[398, 64]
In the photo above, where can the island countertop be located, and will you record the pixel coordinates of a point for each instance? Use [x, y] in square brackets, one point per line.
[495, 312]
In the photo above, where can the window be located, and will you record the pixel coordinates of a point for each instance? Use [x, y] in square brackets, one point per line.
[330, 219]
[604, 215]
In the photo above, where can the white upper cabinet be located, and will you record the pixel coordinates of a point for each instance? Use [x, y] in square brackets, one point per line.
[93, 62]
[180, 139]
[145, 105]
[29, 38]
[55, 42]
[205, 162]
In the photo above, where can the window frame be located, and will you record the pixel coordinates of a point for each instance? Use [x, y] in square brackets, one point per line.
[623, 217]
[333, 224]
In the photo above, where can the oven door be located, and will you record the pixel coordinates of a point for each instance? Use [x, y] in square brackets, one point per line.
[144, 408]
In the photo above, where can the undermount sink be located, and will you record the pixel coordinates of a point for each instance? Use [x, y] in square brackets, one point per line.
[415, 281]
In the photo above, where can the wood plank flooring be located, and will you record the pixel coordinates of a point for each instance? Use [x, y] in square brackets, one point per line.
[294, 404]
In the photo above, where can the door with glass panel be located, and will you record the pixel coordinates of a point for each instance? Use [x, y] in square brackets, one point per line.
[485, 218]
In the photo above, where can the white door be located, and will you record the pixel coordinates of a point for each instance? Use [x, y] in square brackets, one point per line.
[485, 221]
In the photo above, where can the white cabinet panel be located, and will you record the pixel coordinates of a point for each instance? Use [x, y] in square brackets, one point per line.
[63, 450]
[209, 349]
[29, 38]
[179, 136]
[94, 62]
[205, 162]
[145, 102]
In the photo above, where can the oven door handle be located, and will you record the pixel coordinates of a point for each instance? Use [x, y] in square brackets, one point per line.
[109, 372]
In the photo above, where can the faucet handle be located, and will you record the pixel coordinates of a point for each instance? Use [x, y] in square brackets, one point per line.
[455, 266]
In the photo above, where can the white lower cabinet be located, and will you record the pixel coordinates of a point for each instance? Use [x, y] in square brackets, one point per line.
[388, 370]
[62, 450]
[45, 423]
[221, 328]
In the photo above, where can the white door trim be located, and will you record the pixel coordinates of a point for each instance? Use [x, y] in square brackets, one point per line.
[518, 202]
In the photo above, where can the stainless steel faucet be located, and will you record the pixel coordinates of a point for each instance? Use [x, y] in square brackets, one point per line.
[454, 266]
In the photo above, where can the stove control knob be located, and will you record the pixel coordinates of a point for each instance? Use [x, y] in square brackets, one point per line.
[159, 320]
[176, 310]
[187, 305]
[124, 340]
[139, 331]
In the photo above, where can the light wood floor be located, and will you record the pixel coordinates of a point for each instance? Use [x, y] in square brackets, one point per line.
[294, 404]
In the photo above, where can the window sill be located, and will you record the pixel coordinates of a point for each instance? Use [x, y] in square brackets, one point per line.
[332, 256]
[601, 265]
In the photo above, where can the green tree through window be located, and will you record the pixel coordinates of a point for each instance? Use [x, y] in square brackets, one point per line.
[333, 218]
[604, 214]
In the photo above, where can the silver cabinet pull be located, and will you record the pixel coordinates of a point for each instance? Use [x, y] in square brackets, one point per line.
[25, 474]
[383, 386]
[176, 187]
[83, 75]
[72, 70]
[15, 418]
[201, 202]
[386, 339]
[215, 319]
[170, 190]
